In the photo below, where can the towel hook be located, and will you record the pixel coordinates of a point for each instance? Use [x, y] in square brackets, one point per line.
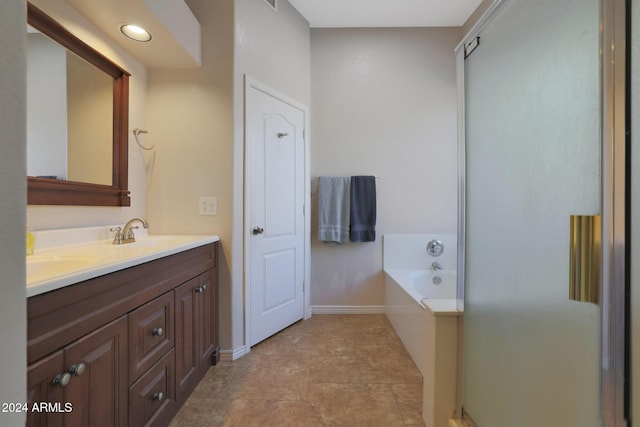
[137, 132]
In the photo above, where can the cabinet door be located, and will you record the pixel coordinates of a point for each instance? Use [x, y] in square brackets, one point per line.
[206, 338]
[43, 385]
[196, 332]
[99, 391]
[186, 338]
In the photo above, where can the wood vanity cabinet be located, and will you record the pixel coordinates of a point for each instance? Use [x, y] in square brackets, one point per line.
[126, 348]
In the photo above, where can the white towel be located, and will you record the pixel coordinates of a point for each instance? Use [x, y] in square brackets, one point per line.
[334, 195]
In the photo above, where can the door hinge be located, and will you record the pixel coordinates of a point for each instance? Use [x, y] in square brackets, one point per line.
[304, 134]
[304, 209]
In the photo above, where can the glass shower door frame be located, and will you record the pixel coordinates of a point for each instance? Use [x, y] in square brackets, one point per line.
[614, 290]
[613, 321]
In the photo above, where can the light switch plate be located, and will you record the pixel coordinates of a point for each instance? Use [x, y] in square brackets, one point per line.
[208, 206]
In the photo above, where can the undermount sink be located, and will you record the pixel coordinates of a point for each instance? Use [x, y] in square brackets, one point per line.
[54, 265]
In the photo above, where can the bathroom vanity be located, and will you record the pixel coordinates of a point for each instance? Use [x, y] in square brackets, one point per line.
[124, 348]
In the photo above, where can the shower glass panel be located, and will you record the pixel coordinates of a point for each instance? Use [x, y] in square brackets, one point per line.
[532, 90]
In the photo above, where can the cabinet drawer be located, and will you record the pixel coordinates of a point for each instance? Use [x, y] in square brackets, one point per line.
[152, 398]
[150, 334]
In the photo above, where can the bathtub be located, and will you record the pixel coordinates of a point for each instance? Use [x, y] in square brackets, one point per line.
[423, 285]
[409, 295]
[425, 316]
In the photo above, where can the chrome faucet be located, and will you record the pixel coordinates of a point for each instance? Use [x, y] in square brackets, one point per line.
[435, 266]
[125, 234]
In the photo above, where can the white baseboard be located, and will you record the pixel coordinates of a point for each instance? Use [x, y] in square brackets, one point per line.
[231, 355]
[347, 309]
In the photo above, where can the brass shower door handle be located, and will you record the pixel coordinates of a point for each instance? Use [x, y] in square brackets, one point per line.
[584, 258]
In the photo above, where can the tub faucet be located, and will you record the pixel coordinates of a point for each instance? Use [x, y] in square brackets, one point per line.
[435, 266]
[125, 235]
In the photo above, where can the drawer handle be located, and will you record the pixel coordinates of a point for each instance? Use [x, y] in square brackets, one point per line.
[61, 380]
[157, 332]
[77, 369]
[158, 396]
[201, 289]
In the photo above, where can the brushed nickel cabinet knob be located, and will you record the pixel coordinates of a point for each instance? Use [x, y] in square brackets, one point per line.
[77, 369]
[61, 380]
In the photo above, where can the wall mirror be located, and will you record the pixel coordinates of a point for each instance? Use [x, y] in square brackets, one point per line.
[77, 120]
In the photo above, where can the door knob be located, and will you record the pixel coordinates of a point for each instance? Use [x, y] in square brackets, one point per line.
[258, 230]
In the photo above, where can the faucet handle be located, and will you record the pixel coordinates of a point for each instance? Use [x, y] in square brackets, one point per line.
[435, 248]
[130, 234]
[117, 238]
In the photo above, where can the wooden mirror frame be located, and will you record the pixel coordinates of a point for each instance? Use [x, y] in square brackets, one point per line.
[46, 191]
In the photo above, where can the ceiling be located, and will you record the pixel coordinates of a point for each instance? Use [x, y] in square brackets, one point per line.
[385, 13]
[176, 40]
[175, 30]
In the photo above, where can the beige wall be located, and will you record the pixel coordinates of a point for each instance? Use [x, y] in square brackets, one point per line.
[383, 103]
[12, 207]
[273, 48]
[190, 122]
[47, 217]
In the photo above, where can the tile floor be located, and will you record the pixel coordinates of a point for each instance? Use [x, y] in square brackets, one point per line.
[330, 370]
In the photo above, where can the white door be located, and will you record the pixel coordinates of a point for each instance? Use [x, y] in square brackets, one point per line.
[275, 221]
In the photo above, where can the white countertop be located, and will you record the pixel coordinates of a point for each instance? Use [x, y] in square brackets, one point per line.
[54, 267]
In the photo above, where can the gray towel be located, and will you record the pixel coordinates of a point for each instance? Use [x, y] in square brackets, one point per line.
[333, 209]
[363, 208]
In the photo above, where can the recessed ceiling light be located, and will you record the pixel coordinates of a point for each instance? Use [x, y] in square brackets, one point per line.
[134, 32]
